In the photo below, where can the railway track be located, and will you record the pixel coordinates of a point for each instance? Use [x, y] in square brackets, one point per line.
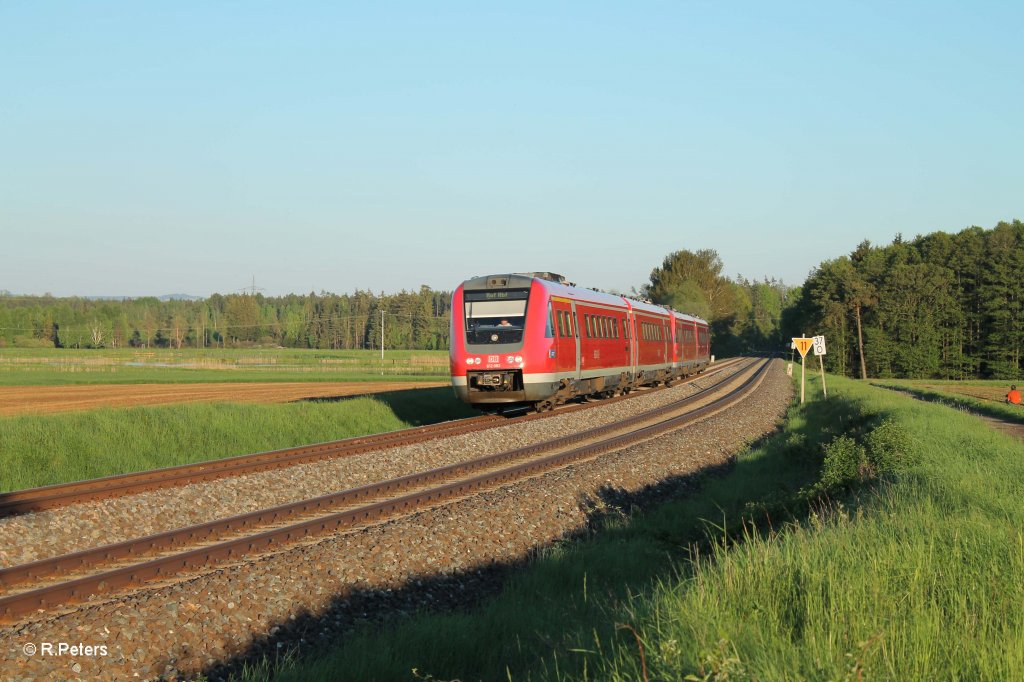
[49, 583]
[63, 494]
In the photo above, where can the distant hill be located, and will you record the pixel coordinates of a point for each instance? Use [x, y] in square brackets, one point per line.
[181, 297]
[165, 297]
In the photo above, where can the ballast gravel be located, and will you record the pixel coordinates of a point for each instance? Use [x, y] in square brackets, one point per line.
[311, 594]
[82, 526]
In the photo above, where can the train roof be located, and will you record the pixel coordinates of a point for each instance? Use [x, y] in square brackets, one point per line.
[554, 284]
[557, 285]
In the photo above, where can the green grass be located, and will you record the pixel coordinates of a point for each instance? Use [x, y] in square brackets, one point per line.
[38, 367]
[910, 567]
[40, 450]
[1013, 413]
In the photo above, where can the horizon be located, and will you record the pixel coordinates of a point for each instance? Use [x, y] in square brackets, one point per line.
[634, 290]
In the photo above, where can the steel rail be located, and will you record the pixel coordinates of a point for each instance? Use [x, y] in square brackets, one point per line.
[63, 494]
[24, 603]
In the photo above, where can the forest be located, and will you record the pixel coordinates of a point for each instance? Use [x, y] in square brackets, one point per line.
[412, 320]
[944, 306]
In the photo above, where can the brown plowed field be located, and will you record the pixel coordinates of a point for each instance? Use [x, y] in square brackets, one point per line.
[993, 393]
[46, 399]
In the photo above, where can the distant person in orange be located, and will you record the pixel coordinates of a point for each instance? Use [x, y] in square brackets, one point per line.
[1013, 397]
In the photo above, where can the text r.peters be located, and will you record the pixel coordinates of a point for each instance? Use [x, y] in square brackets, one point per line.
[65, 649]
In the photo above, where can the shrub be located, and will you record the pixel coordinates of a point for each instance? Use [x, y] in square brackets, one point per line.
[888, 448]
[31, 342]
[845, 462]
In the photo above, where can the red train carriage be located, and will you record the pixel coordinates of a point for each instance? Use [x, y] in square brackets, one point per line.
[691, 349]
[533, 338]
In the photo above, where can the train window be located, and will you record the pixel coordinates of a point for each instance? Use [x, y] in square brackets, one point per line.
[574, 326]
[560, 316]
[590, 326]
[495, 317]
[549, 328]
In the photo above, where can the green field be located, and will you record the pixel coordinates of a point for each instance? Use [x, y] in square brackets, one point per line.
[875, 537]
[44, 449]
[41, 367]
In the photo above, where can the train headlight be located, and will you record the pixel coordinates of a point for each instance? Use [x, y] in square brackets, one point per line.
[519, 358]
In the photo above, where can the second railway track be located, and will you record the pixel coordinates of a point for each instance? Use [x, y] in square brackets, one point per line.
[63, 494]
[48, 583]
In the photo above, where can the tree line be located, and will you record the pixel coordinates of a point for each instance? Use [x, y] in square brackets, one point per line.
[744, 315]
[942, 305]
[412, 320]
[938, 306]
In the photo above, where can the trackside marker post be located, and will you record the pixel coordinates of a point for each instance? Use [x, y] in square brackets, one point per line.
[802, 345]
[819, 350]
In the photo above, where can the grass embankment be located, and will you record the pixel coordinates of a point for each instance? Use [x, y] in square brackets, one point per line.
[959, 400]
[47, 367]
[40, 450]
[876, 537]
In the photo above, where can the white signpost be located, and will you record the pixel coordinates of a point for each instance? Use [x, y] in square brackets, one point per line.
[819, 350]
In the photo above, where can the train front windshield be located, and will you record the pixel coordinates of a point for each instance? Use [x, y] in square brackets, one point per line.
[495, 316]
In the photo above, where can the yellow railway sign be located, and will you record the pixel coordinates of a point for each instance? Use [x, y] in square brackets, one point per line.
[802, 345]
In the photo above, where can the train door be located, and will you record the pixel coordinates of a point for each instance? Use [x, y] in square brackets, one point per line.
[576, 337]
[566, 357]
[634, 343]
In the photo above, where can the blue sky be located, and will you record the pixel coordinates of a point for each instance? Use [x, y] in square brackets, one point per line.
[188, 147]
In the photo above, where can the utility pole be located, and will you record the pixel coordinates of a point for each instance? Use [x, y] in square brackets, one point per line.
[382, 335]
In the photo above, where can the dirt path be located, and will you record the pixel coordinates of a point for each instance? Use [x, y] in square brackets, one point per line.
[48, 399]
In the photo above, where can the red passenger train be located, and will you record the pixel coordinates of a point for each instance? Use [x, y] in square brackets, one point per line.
[534, 338]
